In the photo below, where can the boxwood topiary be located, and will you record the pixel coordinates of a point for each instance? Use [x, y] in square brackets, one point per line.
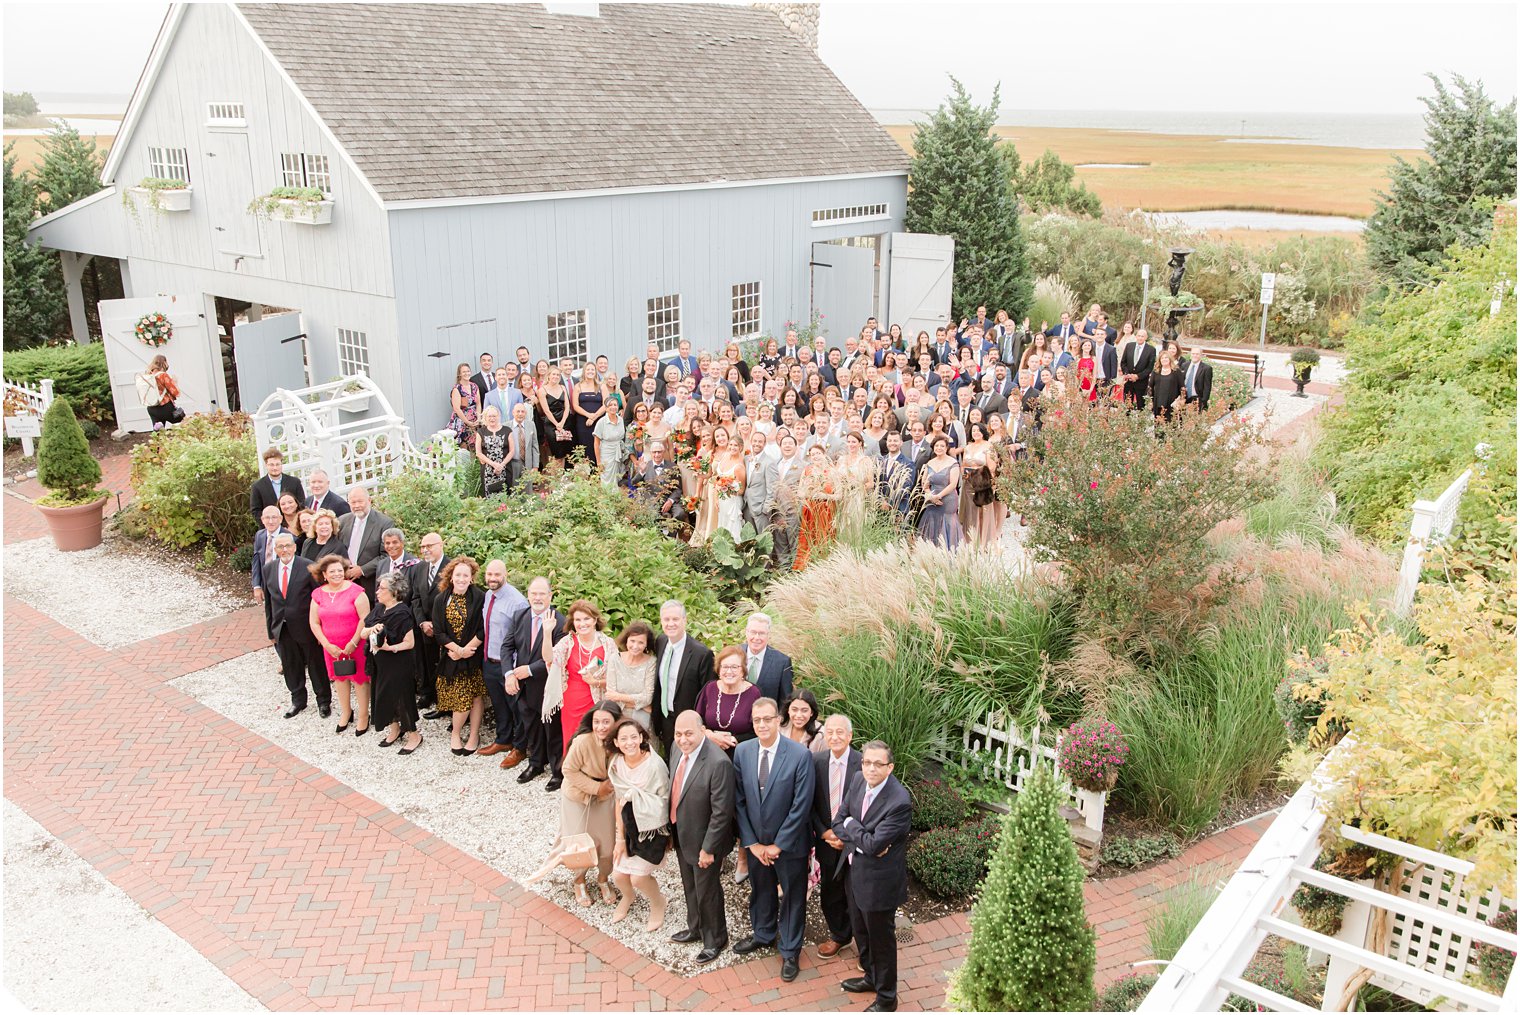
[64, 463]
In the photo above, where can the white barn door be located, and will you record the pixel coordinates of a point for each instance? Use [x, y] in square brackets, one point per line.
[190, 352]
[270, 354]
[920, 276]
[844, 288]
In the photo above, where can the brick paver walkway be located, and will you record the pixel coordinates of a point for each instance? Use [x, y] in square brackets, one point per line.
[310, 895]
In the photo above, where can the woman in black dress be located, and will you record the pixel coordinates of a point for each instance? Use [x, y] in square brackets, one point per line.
[554, 404]
[493, 442]
[392, 663]
[1166, 386]
[587, 409]
[324, 539]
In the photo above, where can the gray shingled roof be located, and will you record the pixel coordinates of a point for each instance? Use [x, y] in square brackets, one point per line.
[473, 100]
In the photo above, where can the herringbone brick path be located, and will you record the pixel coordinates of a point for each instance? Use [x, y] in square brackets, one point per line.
[310, 895]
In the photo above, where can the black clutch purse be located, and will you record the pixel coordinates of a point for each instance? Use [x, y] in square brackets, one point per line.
[344, 667]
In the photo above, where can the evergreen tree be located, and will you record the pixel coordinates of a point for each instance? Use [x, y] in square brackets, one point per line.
[69, 170]
[1032, 948]
[1046, 184]
[35, 307]
[64, 463]
[20, 104]
[961, 187]
[1447, 198]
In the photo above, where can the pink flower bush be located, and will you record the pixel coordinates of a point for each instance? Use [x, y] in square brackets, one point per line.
[1090, 752]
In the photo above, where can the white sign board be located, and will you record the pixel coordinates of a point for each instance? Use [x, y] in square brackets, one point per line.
[1268, 283]
[1145, 272]
[26, 425]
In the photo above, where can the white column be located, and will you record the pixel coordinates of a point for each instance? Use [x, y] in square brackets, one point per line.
[73, 271]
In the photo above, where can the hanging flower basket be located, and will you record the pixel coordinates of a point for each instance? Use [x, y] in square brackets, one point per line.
[153, 329]
[1090, 755]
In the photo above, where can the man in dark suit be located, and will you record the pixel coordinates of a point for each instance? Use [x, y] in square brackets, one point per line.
[361, 533]
[833, 771]
[486, 379]
[872, 828]
[1010, 340]
[897, 475]
[660, 484]
[288, 612]
[989, 401]
[268, 488]
[1198, 381]
[1062, 331]
[394, 556]
[424, 589]
[683, 666]
[543, 741]
[648, 395]
[263, 547]
[829, 371]
[702, 813]
[1135, 365]
[944, 349]
[774, 802]
[321, 496]
[769, 669]
[1108, 364]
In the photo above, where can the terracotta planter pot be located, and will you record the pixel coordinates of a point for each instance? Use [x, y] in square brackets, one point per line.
[75, 528]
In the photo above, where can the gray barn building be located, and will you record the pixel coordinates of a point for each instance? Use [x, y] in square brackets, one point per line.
[568, 177]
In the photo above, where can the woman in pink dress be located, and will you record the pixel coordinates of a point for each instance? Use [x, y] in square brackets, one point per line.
[577, 668]
[338, 608]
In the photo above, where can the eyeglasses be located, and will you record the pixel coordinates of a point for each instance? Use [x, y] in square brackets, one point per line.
[876, 764]
[758, 719]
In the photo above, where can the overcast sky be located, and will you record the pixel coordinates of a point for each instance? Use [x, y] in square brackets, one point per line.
[1220, 56]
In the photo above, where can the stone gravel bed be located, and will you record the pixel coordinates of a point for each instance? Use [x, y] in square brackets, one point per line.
[76, 942]
[112, 595]
[469, 802]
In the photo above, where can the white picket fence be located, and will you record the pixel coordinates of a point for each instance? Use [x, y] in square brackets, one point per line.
[23, 400]
[1011, 753]
[1433, 521]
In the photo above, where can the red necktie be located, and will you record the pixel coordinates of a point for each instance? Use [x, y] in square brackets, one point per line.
[284, 579]
[675, 788]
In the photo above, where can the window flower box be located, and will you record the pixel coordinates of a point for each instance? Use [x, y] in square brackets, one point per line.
[304, 205]
[159, 195]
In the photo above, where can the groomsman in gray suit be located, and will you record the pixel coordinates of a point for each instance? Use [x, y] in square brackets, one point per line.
[759, 486]
[525, 440]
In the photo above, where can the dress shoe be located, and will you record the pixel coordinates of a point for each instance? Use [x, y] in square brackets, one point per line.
[436, 713]
[409, 750]
[513, 758]
[490, 749]
[879, 1006]
[830, 948]
[294, 711]
[789, 970]
[858, 985]
[325, 711]
[747, 945]
[554, 783]
[530, 773]
[685, 937]
[707, 955]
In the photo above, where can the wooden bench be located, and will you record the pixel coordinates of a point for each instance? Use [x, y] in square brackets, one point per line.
[1245, 359]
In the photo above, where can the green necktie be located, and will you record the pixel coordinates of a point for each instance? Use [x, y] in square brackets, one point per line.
[754, 670]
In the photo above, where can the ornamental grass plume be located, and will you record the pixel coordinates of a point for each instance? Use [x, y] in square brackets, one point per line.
[1031, 948]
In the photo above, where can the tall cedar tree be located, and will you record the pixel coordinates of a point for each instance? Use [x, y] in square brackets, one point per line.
[962, 187]
[69, 171]
[1032, 948]
[1448, 197]
[35, 308]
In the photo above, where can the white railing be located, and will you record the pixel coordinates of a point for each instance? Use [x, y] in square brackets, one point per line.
[1011, 754]
[1433, 521]
[1426, 957]
[21, 400]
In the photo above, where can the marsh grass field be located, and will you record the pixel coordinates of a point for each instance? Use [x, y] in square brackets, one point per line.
[1180, 172]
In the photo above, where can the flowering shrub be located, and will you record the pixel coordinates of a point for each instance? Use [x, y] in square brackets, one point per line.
[1090, 755]
[950, 862]
[1126, 993]
[936, 805]
[192, 481]
[1495, 963]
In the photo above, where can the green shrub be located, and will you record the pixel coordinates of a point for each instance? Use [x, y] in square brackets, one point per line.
[419, 503]
[79, 374]
[1319, 909]
[1495, 963]
[1170, 923]
[1233, 388]
[950, 862]
[936, 805]
[241, 559]
[1031, 946]
[64, 463]
[192, 481]
[1126, 993]
[467, 478]
[1138, 850]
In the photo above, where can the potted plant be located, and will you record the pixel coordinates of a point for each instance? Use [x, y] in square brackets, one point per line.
[1090, 754]
[1303, 362]
[1184, 302]
[75, 505]
[306, 205]
[355, 387]
[160, 193]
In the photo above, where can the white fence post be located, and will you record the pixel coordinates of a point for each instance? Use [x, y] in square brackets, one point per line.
[34, 400]
[1433, 521]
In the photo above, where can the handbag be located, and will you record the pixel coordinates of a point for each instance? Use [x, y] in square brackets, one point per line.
[578, 851]
[176, 414]
[345, 667]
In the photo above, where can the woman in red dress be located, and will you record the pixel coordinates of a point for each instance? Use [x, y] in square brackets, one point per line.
[816, 488]
[577, 668]
[1087, 371]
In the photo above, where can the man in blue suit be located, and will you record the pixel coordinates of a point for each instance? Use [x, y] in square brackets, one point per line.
[767, 668]
[684, 361]
[774, 801]
[898, 472]
[872, 831]
[1062, 331]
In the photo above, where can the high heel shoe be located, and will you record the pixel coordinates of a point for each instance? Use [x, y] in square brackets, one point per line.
[410, 750]
[344, 725]
[581, 895]
[609, 897]
[391, 742]
[359, 733]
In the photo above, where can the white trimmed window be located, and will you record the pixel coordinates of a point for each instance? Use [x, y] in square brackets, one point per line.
[226, 114]
[353, 352]
[665, 321]
[567, 336]
[169, 164]
[746, 309]
[299, 169]
[853, 213]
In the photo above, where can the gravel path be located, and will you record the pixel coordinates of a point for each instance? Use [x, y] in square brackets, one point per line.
[469, 802]
[136, 595]
[76, 942]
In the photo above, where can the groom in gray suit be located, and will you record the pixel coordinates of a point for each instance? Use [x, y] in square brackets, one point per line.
[525, 437]
[759, 486]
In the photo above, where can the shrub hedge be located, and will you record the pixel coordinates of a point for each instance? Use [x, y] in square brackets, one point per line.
[79, 374]
[192, 481]
[951, 862]
[936, 805]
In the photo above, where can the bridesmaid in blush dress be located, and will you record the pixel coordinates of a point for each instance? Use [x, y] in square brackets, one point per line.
[939, 522]
[337, 607]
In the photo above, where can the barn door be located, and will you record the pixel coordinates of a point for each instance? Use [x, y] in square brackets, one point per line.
[920, 275]
[270, 354]
[189, 350]
[844, 287]
[229, 190]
